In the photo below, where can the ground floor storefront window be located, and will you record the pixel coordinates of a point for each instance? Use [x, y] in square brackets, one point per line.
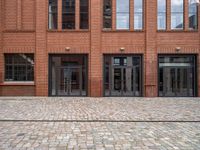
[68, 75]
[177, 76]
[122, 75]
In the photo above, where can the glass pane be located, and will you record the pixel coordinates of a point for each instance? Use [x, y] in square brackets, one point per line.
[138, 14]
[122, 14]
[68, 14]
[122, 21]
[19, 67]
[53, 12]
[193, 20]
[161, 14]
[84, 14]
[107, 14]
[176, 14]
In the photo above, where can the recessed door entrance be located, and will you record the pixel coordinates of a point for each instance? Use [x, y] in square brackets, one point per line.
[177, 76]
[68, 76]
[122, 76]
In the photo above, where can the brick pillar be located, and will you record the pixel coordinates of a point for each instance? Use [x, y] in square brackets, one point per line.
[1, 44]
[60, 15]
[186, 15]
[41, 56]
[19, 14]
[198, 57]
[95, 59]
[150, 54]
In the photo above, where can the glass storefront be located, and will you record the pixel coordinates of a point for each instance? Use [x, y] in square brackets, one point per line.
[68, 75]
[177, 76]
[122, 76]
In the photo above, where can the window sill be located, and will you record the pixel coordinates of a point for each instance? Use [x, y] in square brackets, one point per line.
[74, 30]
[106, 30]
[12, 83]
[177, 31]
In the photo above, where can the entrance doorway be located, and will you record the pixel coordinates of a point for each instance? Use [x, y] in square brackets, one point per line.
[122, 76]
[177, 76]
[68, 75]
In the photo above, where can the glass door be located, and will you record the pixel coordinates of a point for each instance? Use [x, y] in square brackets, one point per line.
[177, 76]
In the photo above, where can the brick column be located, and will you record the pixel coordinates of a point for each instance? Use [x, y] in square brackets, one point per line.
[77, 14]
[95, 59]
[59, 15]
[19, 14]
[168, 15]
[41, 56]
[186, 15]
[114, 15]
[131, 15]
[150, 54]
[1, 43]
[198, 58]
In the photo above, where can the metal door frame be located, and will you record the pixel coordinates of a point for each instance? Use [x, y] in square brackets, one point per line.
[123, 67]
[50, 74]
[195, 80]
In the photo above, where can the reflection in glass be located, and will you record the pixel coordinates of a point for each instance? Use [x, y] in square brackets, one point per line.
[176, 14]
[107, 14]
[53, 14]
[193, 20]
[161, 16]
[122, 76]
[138, 14]
[68, 14]
[122, 14]
[177, 76]
[84, 6]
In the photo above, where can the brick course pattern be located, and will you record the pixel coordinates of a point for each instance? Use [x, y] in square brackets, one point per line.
[24, 29]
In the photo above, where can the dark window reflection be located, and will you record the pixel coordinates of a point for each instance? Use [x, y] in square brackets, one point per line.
[107, 14]
[68, 14]
[19, 67]
[193, 20]
[53, 14]
[84, 14]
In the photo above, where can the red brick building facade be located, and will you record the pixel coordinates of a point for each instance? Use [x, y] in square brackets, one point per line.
[24, 29]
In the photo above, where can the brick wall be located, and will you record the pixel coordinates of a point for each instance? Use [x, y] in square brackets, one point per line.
[23, 29]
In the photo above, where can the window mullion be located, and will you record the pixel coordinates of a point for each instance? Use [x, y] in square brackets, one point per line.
[114, 16]
[168, 15]
[131, 15]
[77, 14]
[186, 14]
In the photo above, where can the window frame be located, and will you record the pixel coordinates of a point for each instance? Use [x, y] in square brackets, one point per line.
[164, 29]
[52, 14]
[143, 20]
[13, 57]
[197, 18]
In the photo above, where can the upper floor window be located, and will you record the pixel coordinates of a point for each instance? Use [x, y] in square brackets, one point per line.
[177, 14]
[192, 14]
[19, 67]
[107, 14]
[53, 14]
[122, 14]
[84, 15]
[68, 14]
[161, 14]
[138, 14]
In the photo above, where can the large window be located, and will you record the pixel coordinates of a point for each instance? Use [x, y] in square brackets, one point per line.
[192, 15]
[68, 14]
[161, 16]
[107, 14]
[138, 14]
[53, 14]
[84, 14]
[19, 67]
[177, 14]
[122, 14]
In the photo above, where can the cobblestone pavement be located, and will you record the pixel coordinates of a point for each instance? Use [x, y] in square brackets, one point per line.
[137, 109]
[128, 136]
[99, 123]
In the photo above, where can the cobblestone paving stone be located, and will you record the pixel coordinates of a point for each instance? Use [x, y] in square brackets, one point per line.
[147, 109]
[108, 136]
[46, 123]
